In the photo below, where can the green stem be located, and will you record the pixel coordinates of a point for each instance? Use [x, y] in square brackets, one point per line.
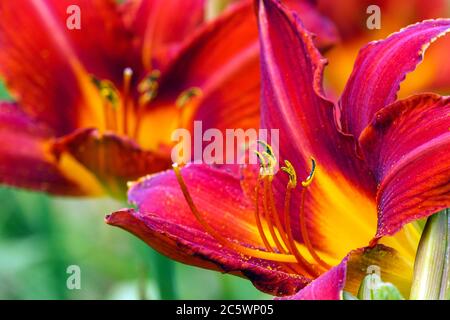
[165, 274]
[445, 283]
[431, 263]
[160, 269]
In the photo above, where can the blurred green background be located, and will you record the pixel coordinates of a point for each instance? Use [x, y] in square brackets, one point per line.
[40, 236]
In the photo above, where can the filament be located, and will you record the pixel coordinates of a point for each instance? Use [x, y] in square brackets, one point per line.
[276, 215]
[255, 253]
[287, 218]
[268, 215]
[258, 218]
[127, 75]
[305, 236]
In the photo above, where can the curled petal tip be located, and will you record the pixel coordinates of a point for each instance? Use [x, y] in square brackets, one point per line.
[117, 217]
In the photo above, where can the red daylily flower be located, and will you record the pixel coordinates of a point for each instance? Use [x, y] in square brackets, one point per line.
[95, 108]
[381, 164]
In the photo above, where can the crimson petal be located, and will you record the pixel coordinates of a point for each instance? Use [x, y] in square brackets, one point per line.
[161, 26]
[407, 146]
[46, 66]
[380, 68]
[353, 268]
[25, 160]
[293, 102]
[165, 222]
[113, 159]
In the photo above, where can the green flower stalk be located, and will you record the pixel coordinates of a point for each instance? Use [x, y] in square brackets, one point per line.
[431, 268]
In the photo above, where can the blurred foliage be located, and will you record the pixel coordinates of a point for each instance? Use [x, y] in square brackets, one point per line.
[40, 236]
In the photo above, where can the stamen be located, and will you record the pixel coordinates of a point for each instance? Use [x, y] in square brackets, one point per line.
[289, 169]
[303, 227]
[150, 83]
[186, 99]
[187, 96]
[258, 218]
[310, 177]
[285, 241]
[110, 97]
[276, 216]
[267, 158]
[127, 75]
[268, 215]
[311, 269]
[266, 168]
[148, 88]
[255, 253]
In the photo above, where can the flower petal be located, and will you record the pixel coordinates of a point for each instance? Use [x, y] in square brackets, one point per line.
[161, 194]
[407, 147]
[351, 19]
[222, 59]
[25, 160]
[46, 66]
[114, 160]
[349, 274]
[323, 28]
[161, 25]
[380, 68]
[163, 219]
[329, 286]
[350, 16]
[339, 201]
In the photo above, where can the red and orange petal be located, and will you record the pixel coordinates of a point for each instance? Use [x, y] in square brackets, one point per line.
[46, 66]
[316, 22]
[113, 160]
[164, 220]
[161, 26]
[25, 159]
[222, 59]
[161, 194]
[406, 145]
[380, 68]
[341, 196]
[350, 16]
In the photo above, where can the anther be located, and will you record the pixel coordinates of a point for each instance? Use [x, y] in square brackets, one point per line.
[289, 169]
[148, 88]
[110, 96]
[267, 159]
[187, 96]
[310, 177]
[107, 90]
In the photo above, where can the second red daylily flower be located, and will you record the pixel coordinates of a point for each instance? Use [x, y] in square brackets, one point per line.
[380, 164]
[96, 107]
[351, 16]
